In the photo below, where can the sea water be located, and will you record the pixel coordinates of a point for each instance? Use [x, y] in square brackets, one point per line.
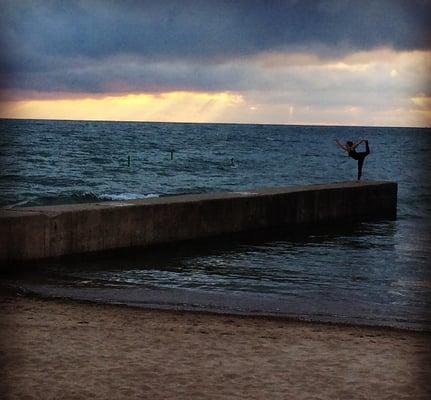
[374, 273]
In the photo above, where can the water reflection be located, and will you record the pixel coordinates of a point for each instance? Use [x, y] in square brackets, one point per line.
[356, 272]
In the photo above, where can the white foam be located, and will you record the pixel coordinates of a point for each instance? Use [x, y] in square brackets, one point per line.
[128, 196]
[246, 193]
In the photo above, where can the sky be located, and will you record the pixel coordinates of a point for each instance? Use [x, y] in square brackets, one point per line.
[324, 62]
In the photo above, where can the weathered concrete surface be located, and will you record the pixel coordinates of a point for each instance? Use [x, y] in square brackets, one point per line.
[51, 231]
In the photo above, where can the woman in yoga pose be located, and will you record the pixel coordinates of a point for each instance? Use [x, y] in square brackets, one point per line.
[350, 148]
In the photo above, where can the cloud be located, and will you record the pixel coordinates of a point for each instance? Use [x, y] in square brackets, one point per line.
[356, 73]
[204, 31]
[299, 55]
[50, 37]
[359, 88]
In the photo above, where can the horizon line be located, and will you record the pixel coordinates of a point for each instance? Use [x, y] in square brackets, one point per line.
[214, 123]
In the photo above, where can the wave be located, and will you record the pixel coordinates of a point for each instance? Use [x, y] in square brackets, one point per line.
[128, 196]
[79, 197]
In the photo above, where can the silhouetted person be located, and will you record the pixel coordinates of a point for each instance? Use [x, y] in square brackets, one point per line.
[350, 148]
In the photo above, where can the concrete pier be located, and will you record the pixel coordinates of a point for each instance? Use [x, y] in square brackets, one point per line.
[41, 232]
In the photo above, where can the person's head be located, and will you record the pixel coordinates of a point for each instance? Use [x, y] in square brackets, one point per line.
[349, 143]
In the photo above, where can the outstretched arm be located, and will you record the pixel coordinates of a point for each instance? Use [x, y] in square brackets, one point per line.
[341, 145]
[357, 144]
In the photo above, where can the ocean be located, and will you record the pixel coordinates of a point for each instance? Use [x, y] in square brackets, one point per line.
[371, 273]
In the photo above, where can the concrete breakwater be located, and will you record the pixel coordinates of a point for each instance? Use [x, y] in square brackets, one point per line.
[50, 231]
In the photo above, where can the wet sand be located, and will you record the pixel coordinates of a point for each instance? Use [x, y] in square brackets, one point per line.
[54, 349]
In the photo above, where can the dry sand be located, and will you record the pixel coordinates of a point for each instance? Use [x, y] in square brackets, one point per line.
[55, 349]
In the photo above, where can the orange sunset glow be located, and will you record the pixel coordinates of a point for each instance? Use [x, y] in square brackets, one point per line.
[164, 107]
[376, 87]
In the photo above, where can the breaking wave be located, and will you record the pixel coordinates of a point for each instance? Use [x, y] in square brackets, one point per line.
[79, 197]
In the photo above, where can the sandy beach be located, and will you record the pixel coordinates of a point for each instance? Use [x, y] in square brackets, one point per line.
[54, 349]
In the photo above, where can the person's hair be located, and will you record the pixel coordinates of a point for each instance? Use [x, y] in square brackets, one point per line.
[349, 143]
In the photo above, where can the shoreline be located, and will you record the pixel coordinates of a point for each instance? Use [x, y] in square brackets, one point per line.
[190, 309]
[57, 348]
[161, 303]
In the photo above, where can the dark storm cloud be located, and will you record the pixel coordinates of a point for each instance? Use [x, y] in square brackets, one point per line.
[205, 29]
[132, 76]
[52, 44]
